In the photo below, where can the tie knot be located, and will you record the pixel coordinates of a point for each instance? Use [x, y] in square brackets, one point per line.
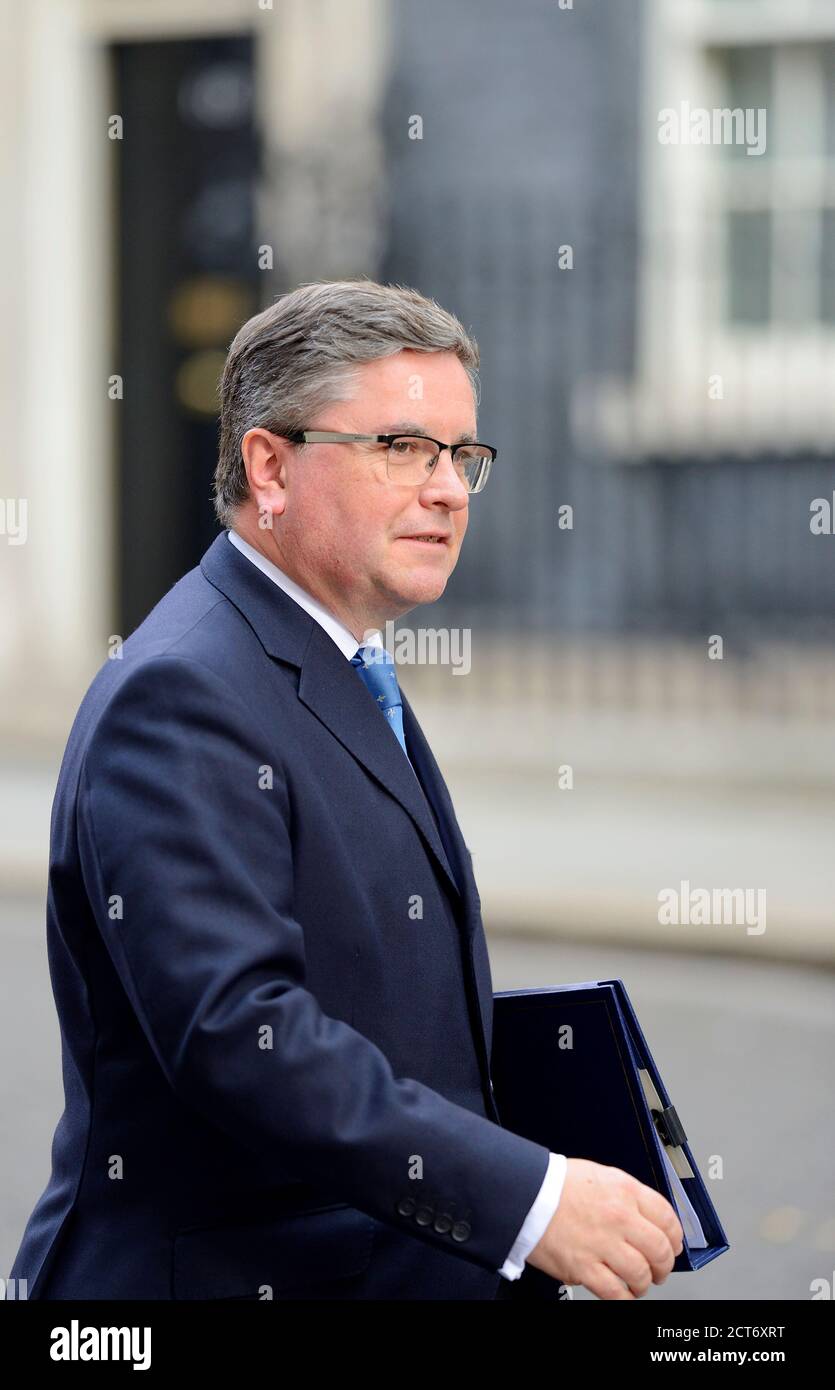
[370, 655]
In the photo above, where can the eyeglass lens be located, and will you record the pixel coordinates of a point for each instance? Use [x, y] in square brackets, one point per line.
[411, 459]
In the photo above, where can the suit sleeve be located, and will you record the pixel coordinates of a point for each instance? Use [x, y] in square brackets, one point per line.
[187, 859]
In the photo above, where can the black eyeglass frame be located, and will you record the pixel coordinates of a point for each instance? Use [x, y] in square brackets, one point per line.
[338, 437]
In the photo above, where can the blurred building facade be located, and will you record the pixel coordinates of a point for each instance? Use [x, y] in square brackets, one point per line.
[657, 325]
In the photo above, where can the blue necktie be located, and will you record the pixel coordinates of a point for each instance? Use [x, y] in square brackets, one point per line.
[375, 667]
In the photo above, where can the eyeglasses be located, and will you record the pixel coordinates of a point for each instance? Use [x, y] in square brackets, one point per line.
[410, 458]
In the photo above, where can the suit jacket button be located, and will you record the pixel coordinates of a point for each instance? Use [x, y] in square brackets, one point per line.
[424, 1215]
[443, 1222]
[406, 1206]
[460, 1230]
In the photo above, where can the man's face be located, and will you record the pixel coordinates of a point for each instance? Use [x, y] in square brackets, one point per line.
[343, 529]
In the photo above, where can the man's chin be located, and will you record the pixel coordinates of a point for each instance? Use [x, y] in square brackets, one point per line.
[409, 591]
[426, 588]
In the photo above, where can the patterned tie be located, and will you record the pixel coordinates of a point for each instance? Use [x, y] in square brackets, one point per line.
[375, 667]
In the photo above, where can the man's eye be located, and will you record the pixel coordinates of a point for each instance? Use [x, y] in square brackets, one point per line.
[402, 446]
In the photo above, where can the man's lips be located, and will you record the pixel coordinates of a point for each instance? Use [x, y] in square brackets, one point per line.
[436, 538]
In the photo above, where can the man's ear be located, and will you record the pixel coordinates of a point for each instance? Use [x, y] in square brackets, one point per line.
[265, 459]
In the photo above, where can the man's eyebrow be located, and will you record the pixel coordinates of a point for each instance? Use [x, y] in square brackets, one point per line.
[411, 427]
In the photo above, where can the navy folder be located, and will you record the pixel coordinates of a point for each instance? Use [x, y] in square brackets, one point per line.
[571, 1070]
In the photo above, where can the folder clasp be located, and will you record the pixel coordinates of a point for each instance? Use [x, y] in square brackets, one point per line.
[669, 1126]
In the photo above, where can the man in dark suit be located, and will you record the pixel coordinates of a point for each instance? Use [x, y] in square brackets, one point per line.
[264, 934]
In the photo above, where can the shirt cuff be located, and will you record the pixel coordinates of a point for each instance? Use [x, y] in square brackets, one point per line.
[536, 1222]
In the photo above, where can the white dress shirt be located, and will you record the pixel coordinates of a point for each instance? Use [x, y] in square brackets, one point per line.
[548, 1198]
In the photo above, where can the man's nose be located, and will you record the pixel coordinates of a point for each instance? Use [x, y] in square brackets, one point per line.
[445, 479]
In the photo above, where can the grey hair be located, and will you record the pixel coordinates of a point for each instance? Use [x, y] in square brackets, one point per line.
[300, 354]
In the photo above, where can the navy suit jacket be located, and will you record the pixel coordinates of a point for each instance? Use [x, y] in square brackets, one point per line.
[271, 978]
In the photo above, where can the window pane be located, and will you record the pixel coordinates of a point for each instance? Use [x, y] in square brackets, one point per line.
[794, 257]
[749, 267]
[748, 85]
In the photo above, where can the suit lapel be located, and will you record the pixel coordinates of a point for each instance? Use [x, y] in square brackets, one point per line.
[330, 687]
[332, 690]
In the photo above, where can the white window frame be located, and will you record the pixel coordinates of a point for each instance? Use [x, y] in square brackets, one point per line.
[702, 383]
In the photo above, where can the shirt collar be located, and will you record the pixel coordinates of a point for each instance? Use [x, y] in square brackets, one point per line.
[344, 639]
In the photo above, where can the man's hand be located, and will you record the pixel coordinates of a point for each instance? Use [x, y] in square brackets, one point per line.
[609, 1227]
